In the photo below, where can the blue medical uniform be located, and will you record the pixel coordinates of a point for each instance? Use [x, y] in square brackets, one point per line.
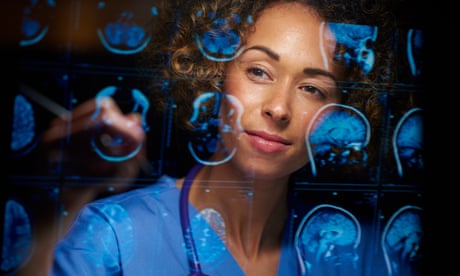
[139, 233]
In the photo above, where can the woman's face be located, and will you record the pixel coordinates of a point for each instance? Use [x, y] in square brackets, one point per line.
[284, 75]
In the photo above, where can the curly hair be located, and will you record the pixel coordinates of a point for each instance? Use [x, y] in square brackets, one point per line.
[188, 73]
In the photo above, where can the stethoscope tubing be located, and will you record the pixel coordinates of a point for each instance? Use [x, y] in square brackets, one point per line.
[192, 255]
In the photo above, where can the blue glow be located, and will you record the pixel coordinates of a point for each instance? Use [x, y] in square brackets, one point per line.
[17, 236]
[30, 27]
[335, 133]
[358, 40]
[33, 30]
[129, 39]
[142, 104]
[30, 40]
[125, 36]
[114, 216]
[206, 138]
[221, 43]
[414, 51]
[23, 130]
[408, 141]
[154, 11]
[209, 242]
[106, 145]
[401, 241]
[327, 239]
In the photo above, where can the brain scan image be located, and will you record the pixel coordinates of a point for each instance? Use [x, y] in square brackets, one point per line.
[23, 137]
[408, 143]
[122, 30]
[357, 42]
[208, 228]
[337, 137]
[35, 21]
[326, 241]
[106, 145]
[402, 241]
[206, 137]
[414, 49]
[17, 237]
[220, 43]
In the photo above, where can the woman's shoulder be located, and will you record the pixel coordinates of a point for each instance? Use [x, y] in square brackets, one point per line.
[128, 210]
[163, 191]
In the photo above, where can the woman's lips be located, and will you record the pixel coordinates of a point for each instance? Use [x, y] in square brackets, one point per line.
[266, 142]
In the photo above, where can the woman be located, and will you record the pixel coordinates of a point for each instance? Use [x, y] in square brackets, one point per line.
[231, 214]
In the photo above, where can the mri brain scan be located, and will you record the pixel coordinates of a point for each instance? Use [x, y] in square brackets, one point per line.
[327, 239]
[337, 137]
[206, 138]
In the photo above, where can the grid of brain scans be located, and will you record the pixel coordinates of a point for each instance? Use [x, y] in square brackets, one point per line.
[360, 202]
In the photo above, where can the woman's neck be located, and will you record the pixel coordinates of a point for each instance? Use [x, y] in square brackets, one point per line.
[253, 210]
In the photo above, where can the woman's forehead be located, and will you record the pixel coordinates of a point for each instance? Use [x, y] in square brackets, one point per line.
[296, 33]
[283, 22]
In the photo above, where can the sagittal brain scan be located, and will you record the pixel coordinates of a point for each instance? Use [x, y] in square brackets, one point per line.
[415, 51]
[408, 143]
[327, 240]
[402, 241]
[337, 138]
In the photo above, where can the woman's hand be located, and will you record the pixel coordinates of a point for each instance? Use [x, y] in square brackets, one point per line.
[95, 150]
[97, 140]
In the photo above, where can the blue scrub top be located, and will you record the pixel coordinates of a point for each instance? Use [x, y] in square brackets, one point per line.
[139, 233]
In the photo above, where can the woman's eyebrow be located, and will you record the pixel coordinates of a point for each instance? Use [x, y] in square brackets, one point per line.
[266, 50]
[306, 71]
[316, 72]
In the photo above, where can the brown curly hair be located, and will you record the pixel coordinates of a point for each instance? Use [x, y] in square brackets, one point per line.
[187, 73]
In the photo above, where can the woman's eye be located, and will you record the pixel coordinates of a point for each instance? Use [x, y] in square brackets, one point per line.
[257, 73]
[313, 90]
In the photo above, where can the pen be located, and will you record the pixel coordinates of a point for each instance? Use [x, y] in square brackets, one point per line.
[64, 113]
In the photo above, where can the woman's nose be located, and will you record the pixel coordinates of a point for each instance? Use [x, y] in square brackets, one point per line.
[277, 105]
